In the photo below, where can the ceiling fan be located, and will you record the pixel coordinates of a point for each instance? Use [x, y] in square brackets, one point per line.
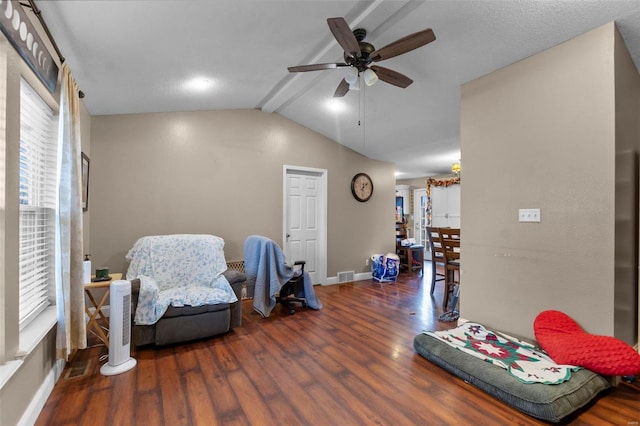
[359, 54]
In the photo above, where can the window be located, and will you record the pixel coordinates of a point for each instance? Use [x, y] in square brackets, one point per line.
[38, 201]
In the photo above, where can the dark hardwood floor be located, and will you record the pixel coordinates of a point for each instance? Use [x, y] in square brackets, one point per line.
[352, 363]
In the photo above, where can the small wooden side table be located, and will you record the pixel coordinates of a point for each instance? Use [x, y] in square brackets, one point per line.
[411, 257]
[98, 323]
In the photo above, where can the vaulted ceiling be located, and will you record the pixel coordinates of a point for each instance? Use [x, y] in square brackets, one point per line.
[142, 56]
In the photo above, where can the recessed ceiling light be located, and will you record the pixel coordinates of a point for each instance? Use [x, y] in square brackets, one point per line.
[199, 84]
[335, 105]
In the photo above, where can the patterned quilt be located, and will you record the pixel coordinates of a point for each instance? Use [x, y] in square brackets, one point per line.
[519, 358]
[178, 270]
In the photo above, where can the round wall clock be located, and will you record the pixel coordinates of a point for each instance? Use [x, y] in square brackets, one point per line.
[362, 187]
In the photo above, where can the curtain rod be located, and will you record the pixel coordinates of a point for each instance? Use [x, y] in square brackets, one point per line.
[32, 5]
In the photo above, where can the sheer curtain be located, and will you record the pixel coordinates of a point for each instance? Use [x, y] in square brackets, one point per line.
[72, 333]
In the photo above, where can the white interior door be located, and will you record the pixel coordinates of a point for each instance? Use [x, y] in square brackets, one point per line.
[453, 206]
[439, 203]
[420, 215]
[445, 206]
[305, 220]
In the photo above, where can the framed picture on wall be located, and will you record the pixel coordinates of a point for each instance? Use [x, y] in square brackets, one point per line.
[85, 182]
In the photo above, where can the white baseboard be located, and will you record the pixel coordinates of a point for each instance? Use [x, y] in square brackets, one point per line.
[363, 276]
[40, 398]
[462, 320]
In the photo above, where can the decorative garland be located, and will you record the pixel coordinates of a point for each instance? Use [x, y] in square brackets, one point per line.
[438, 182]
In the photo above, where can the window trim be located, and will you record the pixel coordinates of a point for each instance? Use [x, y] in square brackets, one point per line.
[12, 68]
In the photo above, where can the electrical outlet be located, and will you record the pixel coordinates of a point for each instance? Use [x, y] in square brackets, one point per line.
[366, 262]
[528, 215]
[535, 215]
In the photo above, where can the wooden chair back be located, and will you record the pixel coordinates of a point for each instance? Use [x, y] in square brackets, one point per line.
[451, 242]
[437, 254]
[435, 244]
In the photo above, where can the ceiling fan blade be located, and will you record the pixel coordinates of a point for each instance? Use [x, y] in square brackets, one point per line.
[391, 76]
[404, 45]
[344, 36]
[342, 89]
[316, 67]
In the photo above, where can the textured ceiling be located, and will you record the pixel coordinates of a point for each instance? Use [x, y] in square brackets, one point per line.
[135, 56]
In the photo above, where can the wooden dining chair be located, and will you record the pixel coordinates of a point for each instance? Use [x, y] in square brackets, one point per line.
[437, 255]
[451, 242]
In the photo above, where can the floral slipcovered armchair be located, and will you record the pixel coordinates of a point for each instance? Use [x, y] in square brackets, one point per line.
[181, 288]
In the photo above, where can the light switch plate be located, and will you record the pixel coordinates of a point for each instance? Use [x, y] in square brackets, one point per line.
[528, 215]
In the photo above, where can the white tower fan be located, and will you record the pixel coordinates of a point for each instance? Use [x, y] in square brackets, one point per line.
[119, 330]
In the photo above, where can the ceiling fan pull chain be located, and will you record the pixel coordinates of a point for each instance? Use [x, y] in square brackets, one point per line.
[363, 118]
[359, 100]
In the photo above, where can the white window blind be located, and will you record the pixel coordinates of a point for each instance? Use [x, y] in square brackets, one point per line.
[38, 195]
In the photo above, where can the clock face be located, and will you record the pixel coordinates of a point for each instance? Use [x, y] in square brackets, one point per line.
[361, 187]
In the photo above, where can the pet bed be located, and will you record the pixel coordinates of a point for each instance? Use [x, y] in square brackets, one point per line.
[550, 402]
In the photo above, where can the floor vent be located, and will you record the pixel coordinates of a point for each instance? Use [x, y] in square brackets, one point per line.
[78, 369]
[345, 277]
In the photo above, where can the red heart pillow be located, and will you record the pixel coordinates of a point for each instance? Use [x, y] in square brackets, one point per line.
[567, 343]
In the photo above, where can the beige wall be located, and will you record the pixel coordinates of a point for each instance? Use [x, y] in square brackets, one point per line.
[28, 381]
[220, 172]
[541, 133]
[627, 92]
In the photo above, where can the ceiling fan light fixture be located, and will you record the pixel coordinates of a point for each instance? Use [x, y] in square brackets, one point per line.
[369, 77]
[355, 85]
[352, 76]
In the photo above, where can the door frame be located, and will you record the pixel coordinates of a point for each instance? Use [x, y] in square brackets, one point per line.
[322, 215]
[416, 217]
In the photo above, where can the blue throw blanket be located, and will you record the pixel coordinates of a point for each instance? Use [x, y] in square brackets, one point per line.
[265, 265]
